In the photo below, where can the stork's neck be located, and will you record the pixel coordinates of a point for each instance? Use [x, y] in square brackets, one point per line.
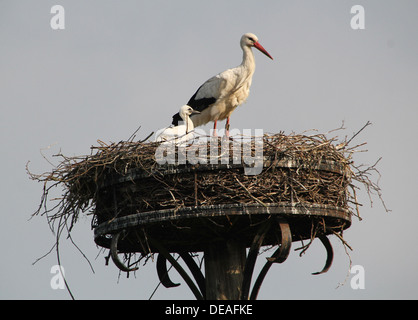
[248, 61]
[189, 124]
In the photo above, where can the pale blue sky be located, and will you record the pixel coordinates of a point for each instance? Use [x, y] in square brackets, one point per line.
[122, 64]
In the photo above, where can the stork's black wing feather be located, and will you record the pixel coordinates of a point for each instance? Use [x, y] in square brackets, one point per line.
[202, 103]
[196, 104]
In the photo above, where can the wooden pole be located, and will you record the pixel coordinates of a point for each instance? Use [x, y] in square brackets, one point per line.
[224, 267]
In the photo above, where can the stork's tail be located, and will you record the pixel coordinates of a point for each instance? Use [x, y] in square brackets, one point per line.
[176, 119]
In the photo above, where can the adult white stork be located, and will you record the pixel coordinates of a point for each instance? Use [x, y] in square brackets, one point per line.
[180, 133]
[218, 97]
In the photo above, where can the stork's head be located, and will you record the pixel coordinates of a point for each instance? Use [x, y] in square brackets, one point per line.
[186, 111]
[251, 40]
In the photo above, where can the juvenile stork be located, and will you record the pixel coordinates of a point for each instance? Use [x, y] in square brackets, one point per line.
[179, 133]
[218, 97]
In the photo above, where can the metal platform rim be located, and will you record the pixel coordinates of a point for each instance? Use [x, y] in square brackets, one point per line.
[287, 209]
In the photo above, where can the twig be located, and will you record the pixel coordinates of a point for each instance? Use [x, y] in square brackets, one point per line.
[133, 134]
[249, 193]
[358, 132]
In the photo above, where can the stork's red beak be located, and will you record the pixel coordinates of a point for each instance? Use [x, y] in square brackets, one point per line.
[260, 47]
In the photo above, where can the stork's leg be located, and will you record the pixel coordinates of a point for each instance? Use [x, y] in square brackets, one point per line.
[215, 134]
[227, 127]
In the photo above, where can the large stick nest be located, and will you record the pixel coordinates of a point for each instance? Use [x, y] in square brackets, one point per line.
[86, 187]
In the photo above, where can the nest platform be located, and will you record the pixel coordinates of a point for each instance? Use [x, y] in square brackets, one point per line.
[194, 227]
[188, 206]
[304, 190]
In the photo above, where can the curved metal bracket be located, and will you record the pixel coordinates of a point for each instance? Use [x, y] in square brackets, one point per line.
[163, 251]
[114, 254]
[279, 256]
[195, 270]
[252, 257]
[284, 240]
[330, 254]
[163, 272]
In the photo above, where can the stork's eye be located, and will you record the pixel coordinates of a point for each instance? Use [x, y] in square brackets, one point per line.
[251, 39]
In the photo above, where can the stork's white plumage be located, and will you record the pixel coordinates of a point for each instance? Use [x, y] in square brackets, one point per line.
[180, 133]
[218, 97]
